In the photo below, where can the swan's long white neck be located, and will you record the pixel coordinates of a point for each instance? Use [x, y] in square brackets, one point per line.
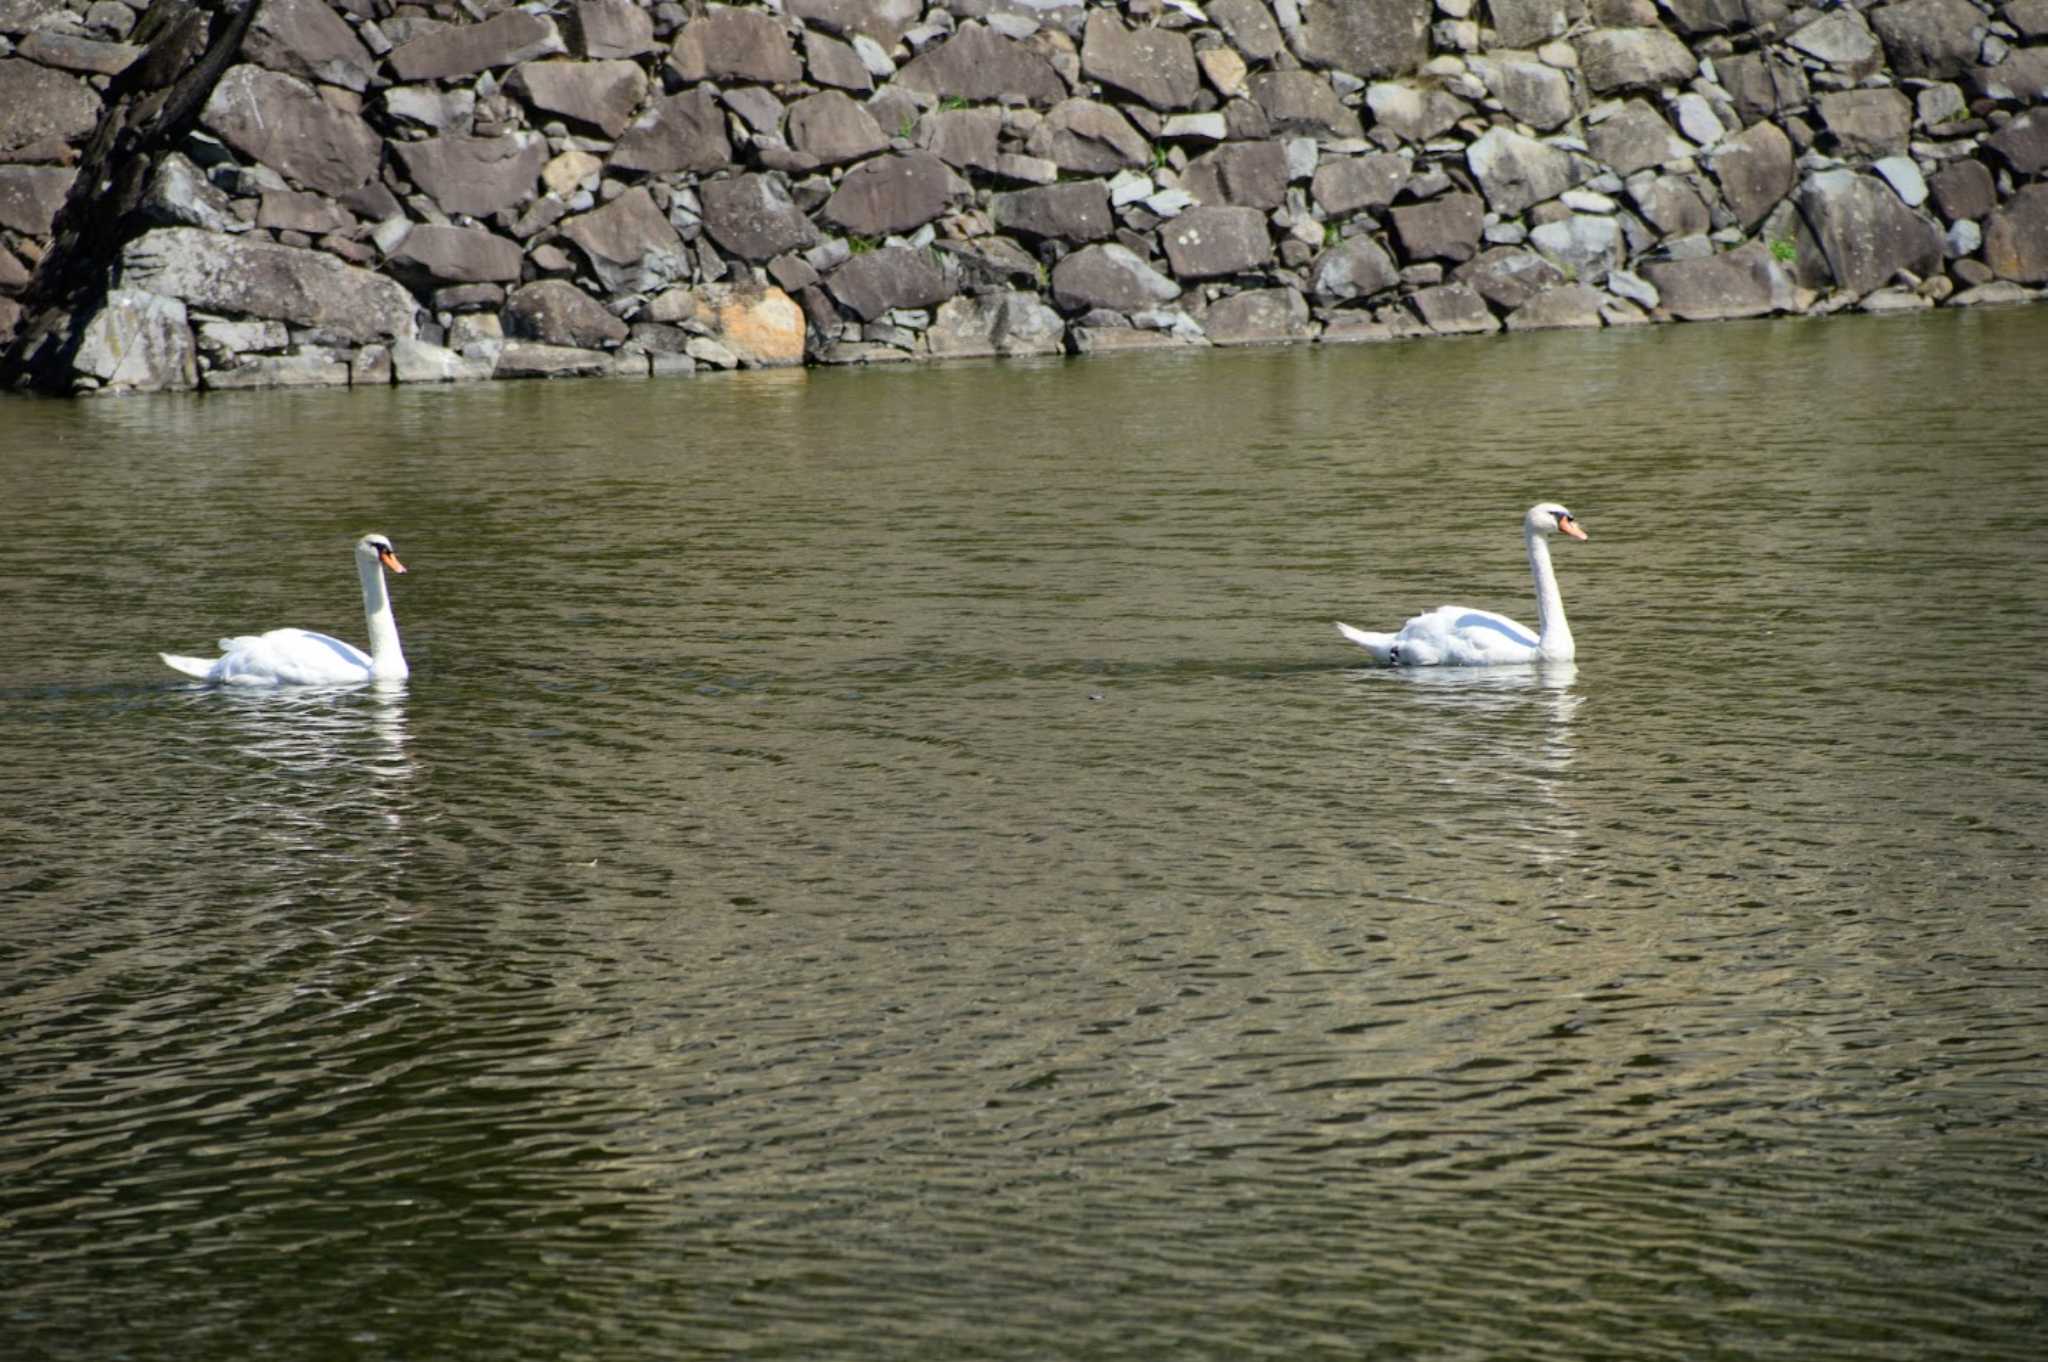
[387, 659]
[1553, 635]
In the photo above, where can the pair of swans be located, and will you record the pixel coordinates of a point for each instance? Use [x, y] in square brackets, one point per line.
[1451, 635]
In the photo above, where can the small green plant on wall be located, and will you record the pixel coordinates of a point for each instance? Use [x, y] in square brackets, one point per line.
[1784, 250]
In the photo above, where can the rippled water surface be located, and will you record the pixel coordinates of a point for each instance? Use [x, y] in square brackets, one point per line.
[898, 864]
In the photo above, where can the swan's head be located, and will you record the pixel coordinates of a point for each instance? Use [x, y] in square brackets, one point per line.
[377, 549]
[1550, 518]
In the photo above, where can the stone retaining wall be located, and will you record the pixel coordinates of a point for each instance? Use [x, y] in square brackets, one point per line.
[369, 191]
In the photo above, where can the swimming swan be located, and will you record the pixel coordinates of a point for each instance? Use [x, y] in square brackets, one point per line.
[1457, 636]
[300, 657]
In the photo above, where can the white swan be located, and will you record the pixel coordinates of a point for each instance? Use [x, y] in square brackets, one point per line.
[1457, 636]
[300, 657]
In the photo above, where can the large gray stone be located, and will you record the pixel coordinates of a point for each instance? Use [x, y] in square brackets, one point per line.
[1756, 170]
[629, 243]
[238, 276]
[754, 218]
[1074, 211]
[1379, 38]
[1239, 175]
[602, 94]
[87, 56]
[505, 39]
[1414, 110]
[1208, 243]
[1934, 38]
[1700, 17]
[475, 175]
[1634, 58]
[2022, 76]
[138, 341]
[180, 195]
[1744, 282]
[1585, 245]
[1672, 205]
[1343, 186]
[982, 67]
[1260, 316]
[1635, 138]
[306, 38]
[556, 312]
[735, 44]
[1517, 172]
[1354, 268]
[282, 122]
[895, 193]
[1443, 228]
[2016, 237]
[1156, 65]
[31, 195]
[1867, 123]
[1303, 102]
[1109, 276]
[433, 255]
[874, 282]
[684, 132]
[832, 129]
[995, 324]
[1083, 137]
[1858, 235]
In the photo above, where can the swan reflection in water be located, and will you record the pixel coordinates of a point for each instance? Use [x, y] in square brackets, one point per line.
[1500, 736]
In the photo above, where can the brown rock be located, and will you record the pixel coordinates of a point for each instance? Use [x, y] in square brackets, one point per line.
[982, 67]
[432, 254]
[1083, 137]
[886, 21]
[871, 283]
[1444, 228]
[1856, 233]
[1508, 276]
[1744, 282]
[1344, 186]
[1368, 40]
[43, 106]
[684, 132]
[31, 195]
[306, 38]
[763, 327]
[1963, 189]
[475, 175]
[2016, 237]
[832, 129]
[1633, 139]
[604, 29]
[1249, 26]
[1934, 38]
[1075, 211]
[1208, 243]
[2023, 143]
[996, 324]
[753, 217]
[896, 193]
[1763, 84]
[1239, 175]
[556, 312]
[735, 44]
[1633, 59]
[603, 94]
[1867, 123]
[1454, 310]
[505, 39]
[1260, 316]
[1156, 65]
[67, 52]
[282, 122]
[835, 63]
[967, 139]
[1574, 306]
[628, 242]
[1303, 102]
[1756, 170]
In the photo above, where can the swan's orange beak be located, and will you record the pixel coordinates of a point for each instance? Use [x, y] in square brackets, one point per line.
[1565, 523]
[390, 559]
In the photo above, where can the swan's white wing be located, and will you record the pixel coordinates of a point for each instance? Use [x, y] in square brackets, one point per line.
[1459, 636]
[290, 657]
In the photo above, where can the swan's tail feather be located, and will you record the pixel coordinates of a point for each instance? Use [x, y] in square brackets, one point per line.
[1381, 646]
[201, 667]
